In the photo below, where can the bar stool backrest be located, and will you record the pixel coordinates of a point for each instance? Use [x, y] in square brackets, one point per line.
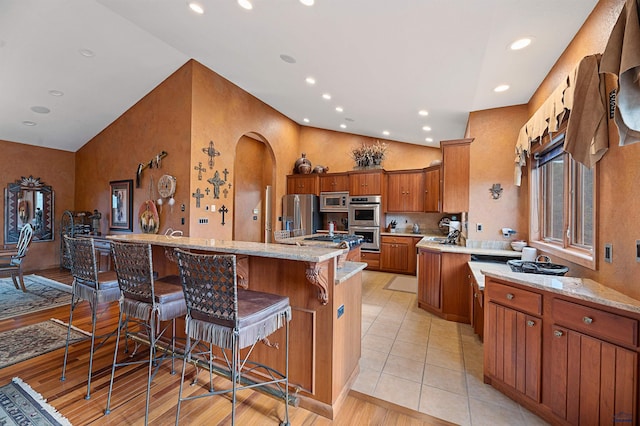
[83, 260]
[134, 268]
[24, 240]
[210, 286]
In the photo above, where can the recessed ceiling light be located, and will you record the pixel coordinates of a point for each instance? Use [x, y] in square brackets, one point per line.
[87, 53]
[520, 43]
[326, 96]
[307, 2]
[310, 80]
[339, 109]
[196, 7]
[56, 93]
[40, 109]
[29, 123]
[429, 139]
[426, 128]
[385, 132]
[501, 88]
[245, 4]
[306, 120]
[288, 59]
[344, 126]
[423, 112]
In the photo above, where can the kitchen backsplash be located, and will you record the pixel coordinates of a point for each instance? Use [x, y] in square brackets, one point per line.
[428, 222]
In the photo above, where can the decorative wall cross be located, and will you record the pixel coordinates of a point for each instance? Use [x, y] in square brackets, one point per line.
[212, 153]
[200, 169]
[197, 195]
[207, 190]
[225, 172]
[225, 192]
[216, 182]
[223, 210]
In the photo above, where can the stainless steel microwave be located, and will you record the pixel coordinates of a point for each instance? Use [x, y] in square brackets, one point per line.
[334, 201]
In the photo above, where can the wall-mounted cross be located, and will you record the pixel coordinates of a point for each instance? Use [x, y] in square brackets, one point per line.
[223, 210]
[212, 153]
[225, 172]
[216, 182]
[200, 169]
[225, 192]
[197, 195]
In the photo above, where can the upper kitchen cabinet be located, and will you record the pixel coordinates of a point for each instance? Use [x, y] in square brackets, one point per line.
[432, 189]
[455, 175]
[303, 184]
[366, 182]
[334, 182]
[404, 191]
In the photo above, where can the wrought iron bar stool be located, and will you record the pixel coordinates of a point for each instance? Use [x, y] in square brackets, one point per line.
[88, 284]
[220, 314]
[146, 302]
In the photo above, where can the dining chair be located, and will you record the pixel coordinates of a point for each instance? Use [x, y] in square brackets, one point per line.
[11, 260]
[219, 314]
[95, 287]
[146, 302]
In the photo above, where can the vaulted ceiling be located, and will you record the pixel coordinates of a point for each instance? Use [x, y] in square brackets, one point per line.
[68, 68]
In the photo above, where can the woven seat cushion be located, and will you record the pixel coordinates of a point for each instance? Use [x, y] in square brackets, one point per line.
[259, 315]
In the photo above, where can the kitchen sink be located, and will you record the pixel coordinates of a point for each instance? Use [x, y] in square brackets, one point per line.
[436, 239]
[546, 268]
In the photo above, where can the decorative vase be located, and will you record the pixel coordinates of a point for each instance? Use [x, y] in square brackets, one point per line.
[302, 165]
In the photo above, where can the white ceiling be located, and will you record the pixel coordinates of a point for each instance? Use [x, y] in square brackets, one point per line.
[381, 60]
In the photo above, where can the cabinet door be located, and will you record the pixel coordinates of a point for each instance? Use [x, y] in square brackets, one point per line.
[395, 196]
[371, 259]
[302, 184]
[429, 285]
[394, 254]
[513, 347]
[455, 175]
[334, 182]
[432, 190]
[365, 183]
[413, 190]
[592, 381]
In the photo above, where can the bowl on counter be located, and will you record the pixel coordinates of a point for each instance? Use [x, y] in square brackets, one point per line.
[518, 245]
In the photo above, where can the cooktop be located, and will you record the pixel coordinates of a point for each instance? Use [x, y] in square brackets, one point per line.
[352, 239]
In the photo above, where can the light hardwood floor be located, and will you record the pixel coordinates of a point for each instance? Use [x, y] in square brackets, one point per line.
[254, 408]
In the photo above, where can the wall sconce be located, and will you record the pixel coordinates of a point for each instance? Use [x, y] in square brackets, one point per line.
[496, 191]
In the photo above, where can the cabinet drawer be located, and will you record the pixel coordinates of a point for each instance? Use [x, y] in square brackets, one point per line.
[395, 240]
[372, 259]
[596, 323]
[516, 298]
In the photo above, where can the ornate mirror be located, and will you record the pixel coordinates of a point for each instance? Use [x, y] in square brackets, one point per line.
[28, 201]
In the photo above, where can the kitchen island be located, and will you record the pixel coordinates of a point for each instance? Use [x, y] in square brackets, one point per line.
[326, 305]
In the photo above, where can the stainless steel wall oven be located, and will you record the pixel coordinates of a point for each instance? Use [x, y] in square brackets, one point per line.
[364, 219]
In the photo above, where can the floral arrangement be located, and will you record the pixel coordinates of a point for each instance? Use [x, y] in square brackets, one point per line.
[369, 155]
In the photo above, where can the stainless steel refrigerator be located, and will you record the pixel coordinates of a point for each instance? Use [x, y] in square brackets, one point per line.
[301, 211]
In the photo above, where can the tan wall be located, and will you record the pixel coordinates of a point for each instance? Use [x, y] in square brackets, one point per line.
[495, 132]
[333, 149]
[54, 168]
[158, 122]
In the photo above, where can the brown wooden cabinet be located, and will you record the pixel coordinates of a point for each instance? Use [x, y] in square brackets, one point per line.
[404, 191]
[476, 306]
[303, 184]
[432, 190]
[366, 183]
[568, 360]
[333, 182]
[455, 175]
[371, 259]
[398, 254]
[443, 284]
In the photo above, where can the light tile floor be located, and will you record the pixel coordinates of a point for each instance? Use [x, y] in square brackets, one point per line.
[417, 360]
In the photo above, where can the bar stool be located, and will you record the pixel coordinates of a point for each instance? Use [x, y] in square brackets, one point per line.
[90, 285]
[146, 302]
[220, 314]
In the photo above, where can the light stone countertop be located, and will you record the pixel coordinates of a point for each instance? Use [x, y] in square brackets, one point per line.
[578, 288]
[477, 269]
[348, 270]
[450, 248]
[279, 251]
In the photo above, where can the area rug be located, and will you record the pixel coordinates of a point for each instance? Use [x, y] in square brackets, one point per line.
[21, 405]
[42, 293]
[404, 283]
[36, 339]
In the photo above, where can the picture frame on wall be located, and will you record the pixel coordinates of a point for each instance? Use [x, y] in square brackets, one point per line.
[121, 218]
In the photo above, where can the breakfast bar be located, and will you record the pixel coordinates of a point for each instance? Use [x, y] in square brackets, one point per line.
[326, 308]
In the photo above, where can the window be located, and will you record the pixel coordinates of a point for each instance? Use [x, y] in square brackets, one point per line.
[563, 205]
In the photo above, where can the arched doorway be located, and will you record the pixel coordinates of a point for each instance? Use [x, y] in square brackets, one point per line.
[254, 176]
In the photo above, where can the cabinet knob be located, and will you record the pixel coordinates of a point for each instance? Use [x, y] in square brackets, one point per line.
[510, 296]
[558, 333]
[530, 323]
[587, 320]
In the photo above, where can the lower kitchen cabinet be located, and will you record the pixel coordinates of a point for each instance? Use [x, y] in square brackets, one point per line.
[568, 360]
[443, 284]
[371, 259]
[476, 306]
[398, 254]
